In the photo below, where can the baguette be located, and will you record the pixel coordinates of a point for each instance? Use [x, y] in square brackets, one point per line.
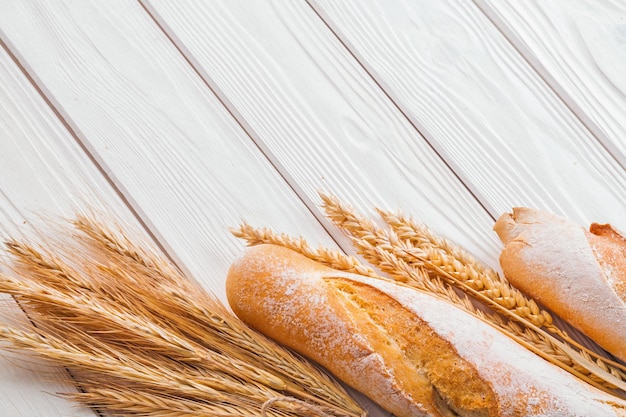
[413, 354]
[578, 274]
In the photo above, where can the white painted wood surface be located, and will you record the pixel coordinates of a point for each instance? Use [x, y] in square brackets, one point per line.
[191, 116]
[579, 48]
[502, 129]
[318, 115]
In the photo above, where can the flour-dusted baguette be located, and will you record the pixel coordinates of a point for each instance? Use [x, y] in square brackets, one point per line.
[579, 274]
[413, 354]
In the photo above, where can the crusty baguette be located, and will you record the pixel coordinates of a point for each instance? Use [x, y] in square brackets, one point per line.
[579, 274]
[413, 354]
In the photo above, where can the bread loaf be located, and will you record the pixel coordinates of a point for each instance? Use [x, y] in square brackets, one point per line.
[579, 274]
[413, 354]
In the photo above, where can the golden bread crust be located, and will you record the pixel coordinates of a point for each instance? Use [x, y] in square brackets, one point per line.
[577, 274]
[413, 354]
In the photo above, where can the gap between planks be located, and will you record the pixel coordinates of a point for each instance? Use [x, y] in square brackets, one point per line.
[399, 108]
[240, 120]
[30, 79]
[88, 153]
[545, 78]
[242, 124]
[266, 152]
[593, 129]
[39, 88]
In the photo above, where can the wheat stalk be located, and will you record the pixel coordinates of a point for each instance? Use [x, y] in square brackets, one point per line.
[121, 401]
[329, 257]
[393, 252]
[139, 337]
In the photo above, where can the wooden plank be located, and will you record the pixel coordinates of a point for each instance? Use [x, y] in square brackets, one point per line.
[177, 155]
[482, 106]
[579, 48]
[42, 172]
[318, 115]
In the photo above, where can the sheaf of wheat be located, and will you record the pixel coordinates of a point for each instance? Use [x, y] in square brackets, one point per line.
[140, 338]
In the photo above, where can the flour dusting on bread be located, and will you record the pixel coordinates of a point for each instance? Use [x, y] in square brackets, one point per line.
[414, 354]
[577, 274]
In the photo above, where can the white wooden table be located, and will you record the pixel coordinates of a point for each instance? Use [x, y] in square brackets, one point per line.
[187, 117]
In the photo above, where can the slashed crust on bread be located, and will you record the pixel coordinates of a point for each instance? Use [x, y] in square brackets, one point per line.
[426, 365]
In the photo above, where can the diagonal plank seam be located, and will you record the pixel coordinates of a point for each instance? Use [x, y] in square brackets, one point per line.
[592, 127]
[40, 92]
[240, 120]
[100, 166]
[402, 112]
[549, 81]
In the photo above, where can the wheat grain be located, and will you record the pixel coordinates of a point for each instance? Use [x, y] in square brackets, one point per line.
[423, 238]
[396, 253]
[454, 260]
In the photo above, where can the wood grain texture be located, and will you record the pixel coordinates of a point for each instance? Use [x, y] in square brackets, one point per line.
[482, 106]
[176, 154]
[318, 115]
[579, 48]
[43, 172]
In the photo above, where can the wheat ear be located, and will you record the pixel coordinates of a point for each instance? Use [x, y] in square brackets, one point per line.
[495, 294]
[454, 260]
[120, 402]
[329, 257]
[537, 342]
